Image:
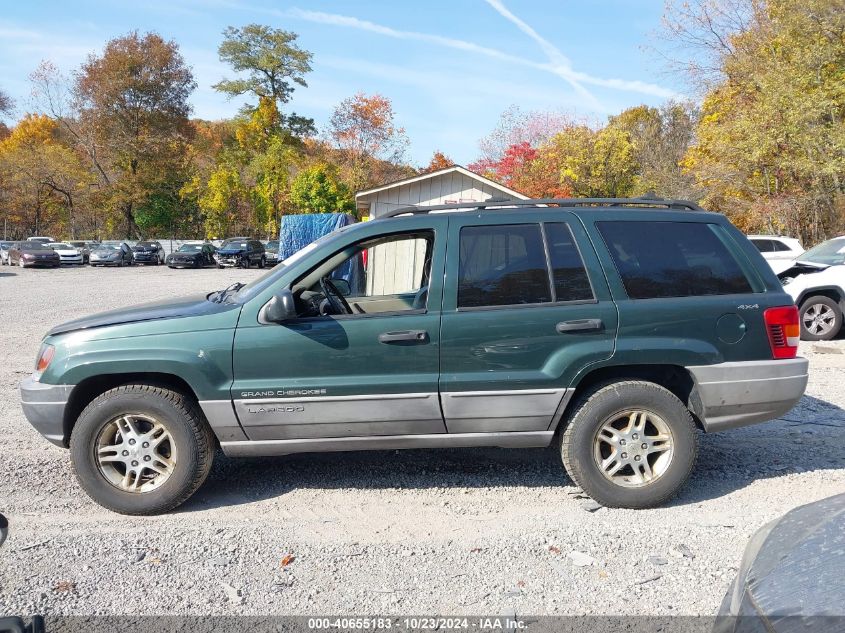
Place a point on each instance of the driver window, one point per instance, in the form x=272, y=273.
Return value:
x=388, y=274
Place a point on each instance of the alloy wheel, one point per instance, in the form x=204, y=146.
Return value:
x=135, y=453
x=819, y=319
x=633, y=448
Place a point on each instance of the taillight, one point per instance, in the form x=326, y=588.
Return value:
x=782, y=328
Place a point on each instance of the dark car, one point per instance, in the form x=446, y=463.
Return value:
x=241, y=253
x=790, y=578
x=26, y=254
x=114, y=254
x=149, y=253
x=192, y=255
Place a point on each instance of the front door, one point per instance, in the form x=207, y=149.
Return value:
x=526, y=309
x=372, y=372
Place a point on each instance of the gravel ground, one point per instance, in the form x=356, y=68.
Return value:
x=423, y=532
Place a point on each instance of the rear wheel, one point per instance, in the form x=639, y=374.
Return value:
x=629, y=444
x=821, y=319
x=138, y=449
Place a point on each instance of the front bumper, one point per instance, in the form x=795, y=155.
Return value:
x=741, y=393
x=146, y=258
x=71, y=259
x=234, y=262
x=44, y=408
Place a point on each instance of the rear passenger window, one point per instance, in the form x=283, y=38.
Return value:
x=672, y=259
x=779, y=247
x=570, y=277
x=764, y=246
x=502, y=265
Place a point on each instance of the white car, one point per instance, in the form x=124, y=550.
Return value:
x=816, y=280
x=779, y=251
x=67, y=254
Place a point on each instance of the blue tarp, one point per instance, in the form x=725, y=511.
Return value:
x=298, y=231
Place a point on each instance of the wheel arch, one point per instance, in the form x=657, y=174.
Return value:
x=89, y=388
x=835, y=293
x=675, y=378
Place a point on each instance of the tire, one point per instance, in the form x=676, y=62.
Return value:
x=190, y=435
x=615, y=401
x=262, y=263
x=828, y=321
x=21, y=264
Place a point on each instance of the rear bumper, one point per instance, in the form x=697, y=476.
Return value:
x=741, y=393
x=44, y=408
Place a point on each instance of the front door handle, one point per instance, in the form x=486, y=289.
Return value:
x=579, y=325
x=404, y=336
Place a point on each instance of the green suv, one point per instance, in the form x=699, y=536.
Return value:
x=615, y=328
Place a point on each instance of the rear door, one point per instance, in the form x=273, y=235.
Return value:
x=525, y=308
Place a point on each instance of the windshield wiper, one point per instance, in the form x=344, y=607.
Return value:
x=220, y=295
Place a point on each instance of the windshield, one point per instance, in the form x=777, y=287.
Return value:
x=77, y=244
x=189, y=248
x=61, y=246
x=144, y=245
x=106, y=247
x=831, y=252
x=34, y=246
x=234, y=244
x=273, y=245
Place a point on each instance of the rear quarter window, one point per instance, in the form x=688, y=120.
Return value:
x=672, y=259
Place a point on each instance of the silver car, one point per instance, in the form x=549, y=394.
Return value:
x=4, y=253
x=112, y=255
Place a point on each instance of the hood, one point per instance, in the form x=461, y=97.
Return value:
x=194, y=305
x=185, y=255
x=801, y=268
x=231, y=251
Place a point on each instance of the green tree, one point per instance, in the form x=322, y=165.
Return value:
x=317, y=189
x=273, y=63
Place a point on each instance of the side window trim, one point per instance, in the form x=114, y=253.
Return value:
x=580, y=258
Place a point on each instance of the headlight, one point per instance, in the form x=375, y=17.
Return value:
x=45, y=357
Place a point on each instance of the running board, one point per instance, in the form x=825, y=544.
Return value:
x=264, y=448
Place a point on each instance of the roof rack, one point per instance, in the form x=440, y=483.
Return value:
x=500, y=204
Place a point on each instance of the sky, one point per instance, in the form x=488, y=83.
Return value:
x=450, y=67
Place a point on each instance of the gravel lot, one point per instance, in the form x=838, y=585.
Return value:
x=423, y=532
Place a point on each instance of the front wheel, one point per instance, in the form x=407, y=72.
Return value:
x=821, y=319
x=139, y=449
x=262, y=263
x=629, y=444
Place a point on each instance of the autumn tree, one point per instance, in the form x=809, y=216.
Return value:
x=43, y=178
x=438, y=161
x=364, y=129
x=317, y=189
x=770, y=144
x=273, y=65
x=516, y=127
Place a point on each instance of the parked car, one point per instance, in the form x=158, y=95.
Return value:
x=790, y=578
x=777, y=249
x=147, y=252
x=192, y=255
x=110, y=254
x=33, y=253
x=615, y=332
x=241, y=253
x=42, y=239
x=83, y=247
x=67, y=254
x=816, y=281
x=4, y=253
x=271, y=251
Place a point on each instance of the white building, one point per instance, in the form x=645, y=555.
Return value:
x=446, y=186
x=396, y=268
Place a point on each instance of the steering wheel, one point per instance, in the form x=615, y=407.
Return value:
x=336, y=300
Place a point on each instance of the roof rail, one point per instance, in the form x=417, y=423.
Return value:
x=499, y=204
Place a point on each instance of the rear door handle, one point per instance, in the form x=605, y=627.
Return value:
x=579, y=325
x=404, y=336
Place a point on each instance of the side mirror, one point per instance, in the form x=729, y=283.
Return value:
x=280, y=308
